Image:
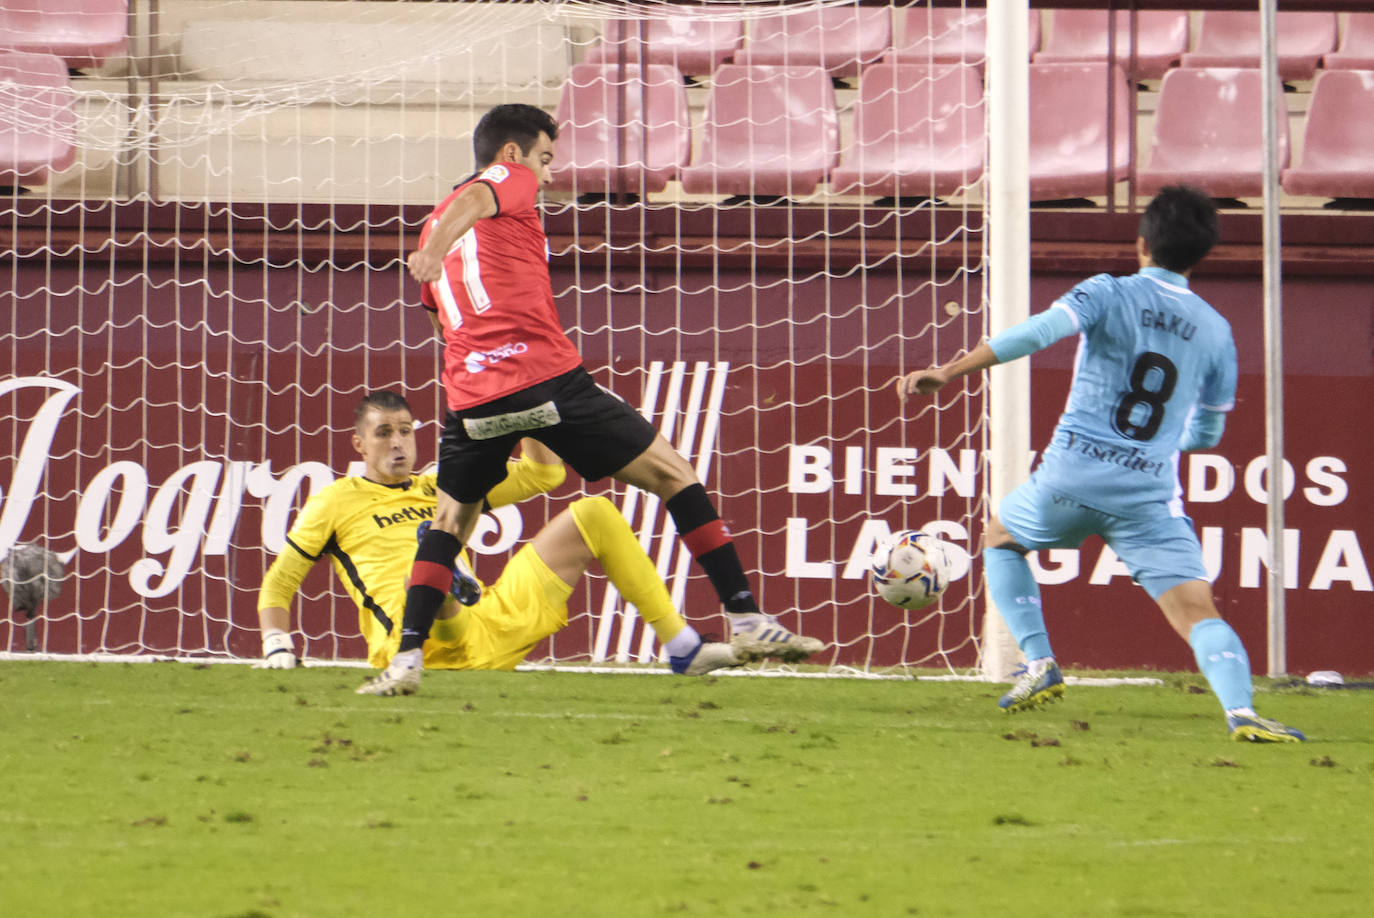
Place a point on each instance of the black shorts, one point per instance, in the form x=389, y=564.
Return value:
x=590, y=428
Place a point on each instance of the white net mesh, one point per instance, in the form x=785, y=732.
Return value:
x=757, y=222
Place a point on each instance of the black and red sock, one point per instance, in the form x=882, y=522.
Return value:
x=706, y=537
x=430, y=578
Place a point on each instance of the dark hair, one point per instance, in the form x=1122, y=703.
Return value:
x=504, y=123
x=1179, y=227
x=382, y=400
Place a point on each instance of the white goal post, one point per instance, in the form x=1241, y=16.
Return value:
x=1008, y=272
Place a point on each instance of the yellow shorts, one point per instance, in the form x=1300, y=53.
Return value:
x=526, y=604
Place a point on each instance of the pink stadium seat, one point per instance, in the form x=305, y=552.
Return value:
x=947, y=35
x=768, y=131
x=693, y=45
x=1068, y=129
x=918, y=132
x=1357, y=47
x=1208, y=132
x=1081, y=35
x=588, y=156
x=82, y=32
x=842, y=39
x=37, y=123
x=1338, y=142
x=1232, y=39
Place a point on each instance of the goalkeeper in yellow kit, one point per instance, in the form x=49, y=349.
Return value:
x=367, y=526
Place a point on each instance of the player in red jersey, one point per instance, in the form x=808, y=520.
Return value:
x=511, y=372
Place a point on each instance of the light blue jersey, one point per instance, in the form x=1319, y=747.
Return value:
x=1150, y=353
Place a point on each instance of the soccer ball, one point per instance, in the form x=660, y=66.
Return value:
x=912, y=570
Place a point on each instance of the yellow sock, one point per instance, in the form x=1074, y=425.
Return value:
x=613, y=543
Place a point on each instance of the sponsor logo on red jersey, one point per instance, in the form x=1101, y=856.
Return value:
x=477, y=361
x=497, y=173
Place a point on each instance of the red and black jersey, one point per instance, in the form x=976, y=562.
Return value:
x=502, y=332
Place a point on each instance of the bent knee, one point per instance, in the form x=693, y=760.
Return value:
x=597, y=518
x=996, y=536
x=660, y=470
x=594, y=508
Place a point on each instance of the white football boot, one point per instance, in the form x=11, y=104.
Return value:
x=394, y=680
x=757, y=636
x=704, y=658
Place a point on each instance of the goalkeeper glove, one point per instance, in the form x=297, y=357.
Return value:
x=277, y=650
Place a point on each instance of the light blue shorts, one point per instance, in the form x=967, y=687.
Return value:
x=1160, y=551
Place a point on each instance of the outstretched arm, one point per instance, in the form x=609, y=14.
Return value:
x=1037, y=332
x=279, y=586
x=473, y=203
x=926, y=382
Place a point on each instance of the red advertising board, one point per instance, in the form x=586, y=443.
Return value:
x=159, y=428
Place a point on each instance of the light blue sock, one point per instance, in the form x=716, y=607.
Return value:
x=1221, y=658
x=1013, y=588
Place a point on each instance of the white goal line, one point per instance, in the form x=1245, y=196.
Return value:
x=764, y=671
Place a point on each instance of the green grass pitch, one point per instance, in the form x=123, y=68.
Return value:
x=227, y=792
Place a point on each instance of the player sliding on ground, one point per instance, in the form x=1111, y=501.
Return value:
x=368, y=526
x=511, y=372
x=1155, y=374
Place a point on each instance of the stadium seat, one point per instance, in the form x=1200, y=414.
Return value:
x=1232, y=39
x=693, y=45
x=944, y=35
x=841, y=39
x=82, y=32
x=1068, y=129
x=399, y=43
x=588, y=157
x=1338, y=141
x=1081, y=35
x=918, y=132
x=1357, y=46
x=1208, y=133
x=768, y=131
x=37, y=121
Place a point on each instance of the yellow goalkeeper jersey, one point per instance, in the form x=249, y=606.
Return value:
x=368, y=532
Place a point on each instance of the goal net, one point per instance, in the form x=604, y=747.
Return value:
x=759, y=219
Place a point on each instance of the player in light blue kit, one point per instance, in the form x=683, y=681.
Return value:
x=1155, y=374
